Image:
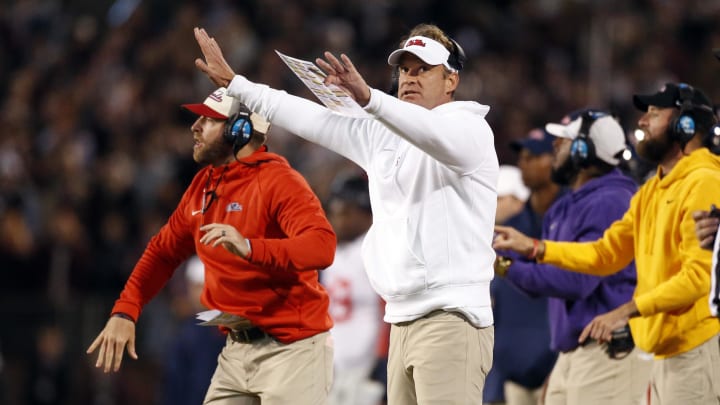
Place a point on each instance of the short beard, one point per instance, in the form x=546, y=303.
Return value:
x=565, y=173
x=655, y=150
x=216, y=153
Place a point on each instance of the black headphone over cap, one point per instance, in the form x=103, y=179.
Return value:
x=457, y=57
x=238, y=130
x=582, y=149
x=682, y=128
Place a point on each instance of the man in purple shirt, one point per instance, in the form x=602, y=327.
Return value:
x=587, y=151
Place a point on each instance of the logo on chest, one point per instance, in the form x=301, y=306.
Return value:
x=234, y=207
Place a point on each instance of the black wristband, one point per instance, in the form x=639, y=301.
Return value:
x=123, y=316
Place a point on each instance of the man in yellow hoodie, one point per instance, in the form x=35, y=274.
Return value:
x=668, y=314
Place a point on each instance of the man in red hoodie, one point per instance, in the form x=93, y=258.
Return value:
x=262, y=235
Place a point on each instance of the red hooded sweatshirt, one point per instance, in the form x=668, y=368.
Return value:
x=271, y=204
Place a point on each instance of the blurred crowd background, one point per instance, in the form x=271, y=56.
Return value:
x=95, y=150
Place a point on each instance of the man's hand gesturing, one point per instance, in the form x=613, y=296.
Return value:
x=345, y=75
x=214, y=66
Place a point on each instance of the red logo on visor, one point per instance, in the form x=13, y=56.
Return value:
x=415, y=42
x=217, y=95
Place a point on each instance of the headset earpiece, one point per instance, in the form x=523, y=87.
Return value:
x=394, y=82
x=238, y=130
x=582, y=149
x=457, y=57
x=682, y=128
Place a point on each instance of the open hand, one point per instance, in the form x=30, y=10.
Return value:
x=214, y=66
x=344, y=75
x=117, y=334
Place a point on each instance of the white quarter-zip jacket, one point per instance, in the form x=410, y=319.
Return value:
x=432, y=178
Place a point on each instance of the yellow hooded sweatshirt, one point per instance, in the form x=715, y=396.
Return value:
x=673, y=272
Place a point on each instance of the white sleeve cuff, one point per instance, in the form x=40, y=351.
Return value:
x=236, y=84
x=375, y=101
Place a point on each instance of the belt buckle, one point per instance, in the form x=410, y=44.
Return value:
x=241, y=336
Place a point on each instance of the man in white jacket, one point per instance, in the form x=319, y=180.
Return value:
x=432, y=171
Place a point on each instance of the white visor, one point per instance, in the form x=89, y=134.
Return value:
x=428, y=50
x=606, y=135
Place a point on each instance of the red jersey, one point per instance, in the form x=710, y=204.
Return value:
x=272, y=205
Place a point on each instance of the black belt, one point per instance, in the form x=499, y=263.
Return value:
x=247, y=335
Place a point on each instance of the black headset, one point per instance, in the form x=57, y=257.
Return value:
x=582, y=149
x=457, y=57
x=682, y=128
x=238, y=130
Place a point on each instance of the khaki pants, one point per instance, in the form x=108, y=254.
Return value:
x=268, y=372
x=689, y=378
x=588, y=376
x=438, y=359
